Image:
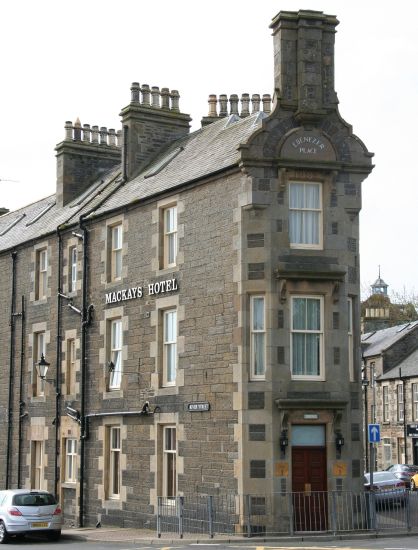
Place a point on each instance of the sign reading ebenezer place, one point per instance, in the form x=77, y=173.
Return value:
x=135, y=292
x=308, y=145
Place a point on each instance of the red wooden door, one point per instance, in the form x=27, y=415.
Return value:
x=309, y=486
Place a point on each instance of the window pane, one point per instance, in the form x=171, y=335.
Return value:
x=299, y=313
x=313, y=314
x=296, y=195
x=258, y=313
x=311, y=195
x=170, y=326
x=258, y=346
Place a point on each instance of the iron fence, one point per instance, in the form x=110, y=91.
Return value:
x=288, y=513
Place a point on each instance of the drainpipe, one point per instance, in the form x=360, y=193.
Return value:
x=11, y=365
x=84, y=323
x=21, y=403
x=58, y=368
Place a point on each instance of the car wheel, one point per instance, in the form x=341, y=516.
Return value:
x=4, y=537
x=54, y=535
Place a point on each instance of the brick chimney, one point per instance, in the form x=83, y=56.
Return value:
x=304, y=62
x=150, y=121
x=85, y=153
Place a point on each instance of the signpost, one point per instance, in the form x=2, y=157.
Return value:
x=374, y=437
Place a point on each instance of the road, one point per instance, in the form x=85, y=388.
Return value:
x=396, y=543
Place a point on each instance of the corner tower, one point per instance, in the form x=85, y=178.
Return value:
x=301, y=197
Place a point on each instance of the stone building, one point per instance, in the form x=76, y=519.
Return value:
x=196, y=296
x=390, y=371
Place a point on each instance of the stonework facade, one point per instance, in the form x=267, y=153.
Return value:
x=197, y=300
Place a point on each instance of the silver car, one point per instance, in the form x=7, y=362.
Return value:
x=387, y=488
x=26, y=512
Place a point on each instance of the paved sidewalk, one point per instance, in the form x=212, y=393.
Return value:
x=115, y=534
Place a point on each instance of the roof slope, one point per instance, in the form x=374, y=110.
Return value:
x=202, y=153
x=374, y=343
x=409, y=367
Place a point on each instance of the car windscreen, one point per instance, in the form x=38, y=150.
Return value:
x=33, y=499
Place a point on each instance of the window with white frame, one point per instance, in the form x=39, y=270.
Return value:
x=170, y=236
x=72, y=275
x=114, y=474
x=71, y=460
x=415, y=401
x=39, y=346
x=386, y=416
x=305, y=215
x=169, y=462
x=307, y=337
x=41, y=275
x=37, y=464
x=350, y=338
x=399, y=391
x=70, y=367
x=387, y=453
x=169, y=347
x=258, y=338
x=116, y=252
x=115, y=355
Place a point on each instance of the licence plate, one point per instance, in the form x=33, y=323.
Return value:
x=39, y=524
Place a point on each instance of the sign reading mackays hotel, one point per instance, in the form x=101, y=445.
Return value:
x=161, y=287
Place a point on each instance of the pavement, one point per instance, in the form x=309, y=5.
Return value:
x=115, y=534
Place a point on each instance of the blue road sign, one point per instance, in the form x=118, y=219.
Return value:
x=374, y=433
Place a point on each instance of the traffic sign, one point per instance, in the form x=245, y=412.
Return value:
x=374, y=433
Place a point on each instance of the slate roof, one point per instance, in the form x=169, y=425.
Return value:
x=409, y=368
x=374, y=343
x=199, y=154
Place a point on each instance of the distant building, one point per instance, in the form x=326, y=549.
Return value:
x=378, y=312
x=390, y=376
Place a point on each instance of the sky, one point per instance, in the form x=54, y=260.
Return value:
x=62, y=60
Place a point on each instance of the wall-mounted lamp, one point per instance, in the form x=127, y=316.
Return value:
x=42, y=367
x=283, y=441
x=339, y=443
x=74, y=414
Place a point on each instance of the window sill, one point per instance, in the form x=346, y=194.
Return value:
x=69, y=485
x=113, y=394
x=38, y=399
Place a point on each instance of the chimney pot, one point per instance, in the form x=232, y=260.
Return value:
x=155, y=93
x=165, y=98
x=267, y=103
x=112, y=137
x=175, y=101
x=86, y=133
x=245, y=105
x=77, y=130
x=95, y=134
x=255, y=100
x=68, y=130
x=233, y=100
x=146, y=93
x=212, y=105
x=103, y=135
x=135, y=92
x=223, y=105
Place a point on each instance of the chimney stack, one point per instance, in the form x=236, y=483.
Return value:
x=304, y=62
x=84, y=153
x=151, y=121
